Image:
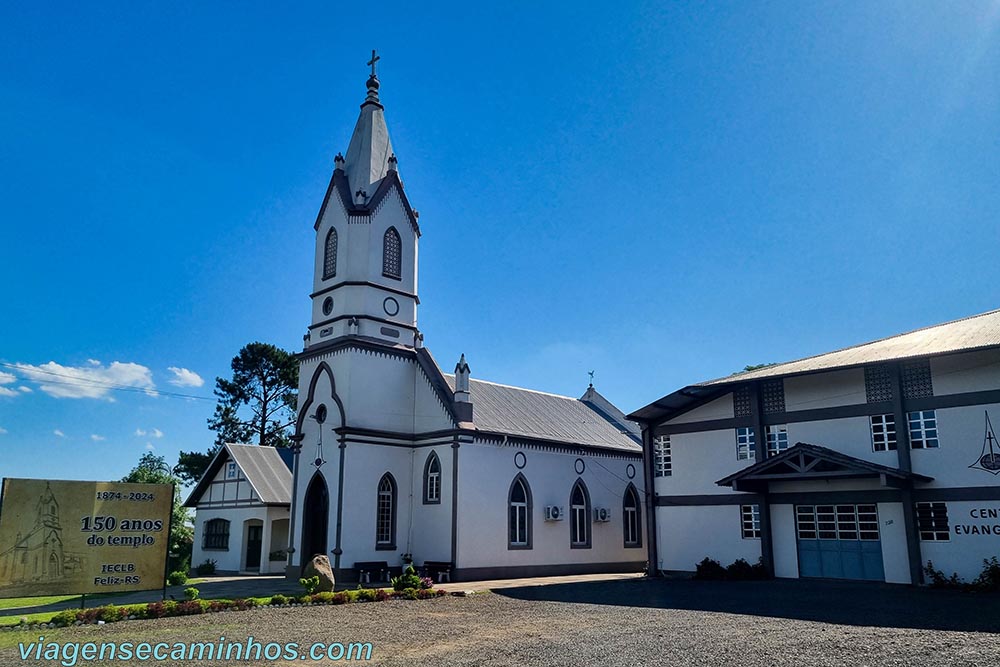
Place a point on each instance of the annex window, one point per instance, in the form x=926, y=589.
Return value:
x=216, y=535
x=932, y=522
x=519, y=514
x=883, y=433
x=579, y=516
x=631, y=518
x=923, y=429
x=745, y=444
x=232, y=471
x=392, y=254
x=330, y=254
x=385, y=518
x=432, y=480
x=662, y=461
x=777, y=439
x=750, y=521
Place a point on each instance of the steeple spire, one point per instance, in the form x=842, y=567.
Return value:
x=367, y=159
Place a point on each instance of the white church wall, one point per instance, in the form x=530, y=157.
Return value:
x=689, y=534
x=961, y=432
x=970, y=371
x=825, y=390
x=892, y=531
x=365, y=464
x=698, y=461
x=430, y=536
x=975, y=536
x=390, y=213
x=485, y=476
x=850, y=435
x=719, y=408
x=784, y=542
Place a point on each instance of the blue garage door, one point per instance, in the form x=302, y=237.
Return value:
x=839, y=541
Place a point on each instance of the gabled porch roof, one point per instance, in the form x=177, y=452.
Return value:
x=805, y=462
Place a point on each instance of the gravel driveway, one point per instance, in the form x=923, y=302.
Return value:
x=619, y=623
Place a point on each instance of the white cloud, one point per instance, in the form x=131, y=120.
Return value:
x=4, y=391
x=139, y=433
x=24, y=390
x=156, y=433
x=149, y=447
x=91, y=381
x=7, y=378
x=58, y=433
x=152, y=433
x=185, y=378
x=97, y=438
x=3, y=431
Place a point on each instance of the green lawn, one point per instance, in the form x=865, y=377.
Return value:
x=13, y=603
x=42, y=617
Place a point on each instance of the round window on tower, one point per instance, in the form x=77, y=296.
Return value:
x=321, y=413
x=328, y=305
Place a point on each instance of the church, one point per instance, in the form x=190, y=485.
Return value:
x=398, y=462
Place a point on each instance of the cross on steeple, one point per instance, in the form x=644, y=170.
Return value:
x=375, y=59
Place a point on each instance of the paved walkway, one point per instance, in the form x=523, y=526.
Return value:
x=232, y=587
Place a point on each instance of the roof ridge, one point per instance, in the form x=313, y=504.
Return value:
x=510, y=386
x=854, y=347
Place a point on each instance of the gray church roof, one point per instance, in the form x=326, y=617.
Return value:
x=517, y=412
x=264, y=467
x=970, y=333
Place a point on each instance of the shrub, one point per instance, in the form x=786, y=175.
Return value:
x=310, y=585
x=64, y=618
x=110, y=614
x=279, y=599
x=189, y=608
x=407, y=580
x=937, y=579
x=989, y=578
x=177, y=578
x=366, y=595
x=739, y=570
x=710, y=570
x=426, y=582
x=339, y=598
x=88, y=615
x=381, y=595
x=322, y=598
x=206, y=568
x=191, y=593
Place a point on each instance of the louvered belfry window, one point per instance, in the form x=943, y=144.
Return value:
x=392, y=254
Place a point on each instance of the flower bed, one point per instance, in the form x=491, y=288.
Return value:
x=169, y=608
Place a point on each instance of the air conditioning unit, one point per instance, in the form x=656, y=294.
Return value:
x=554, y=513
x=602, y=514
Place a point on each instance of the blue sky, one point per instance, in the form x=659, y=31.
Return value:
x=661, y=192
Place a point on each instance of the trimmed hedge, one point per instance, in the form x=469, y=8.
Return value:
x=170, y=608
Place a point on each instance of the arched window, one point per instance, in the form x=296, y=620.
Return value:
x=392, y=254
x=632, y=518
x=432, y=480
x=330, y=254
x=519, y=514
x=385, y=517
x=216, y=535
x=579, y=516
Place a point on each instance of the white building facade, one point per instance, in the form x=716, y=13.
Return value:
x=865, y=463
x=398, y=461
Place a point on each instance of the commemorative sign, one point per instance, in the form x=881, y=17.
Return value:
x=70, y=538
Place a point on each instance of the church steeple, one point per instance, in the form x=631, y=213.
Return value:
x=369, y=152
x=365, y=275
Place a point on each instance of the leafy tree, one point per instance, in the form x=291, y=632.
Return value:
x=153, y=469
x=258, y=404
x=755, y=367
x=192, y=465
